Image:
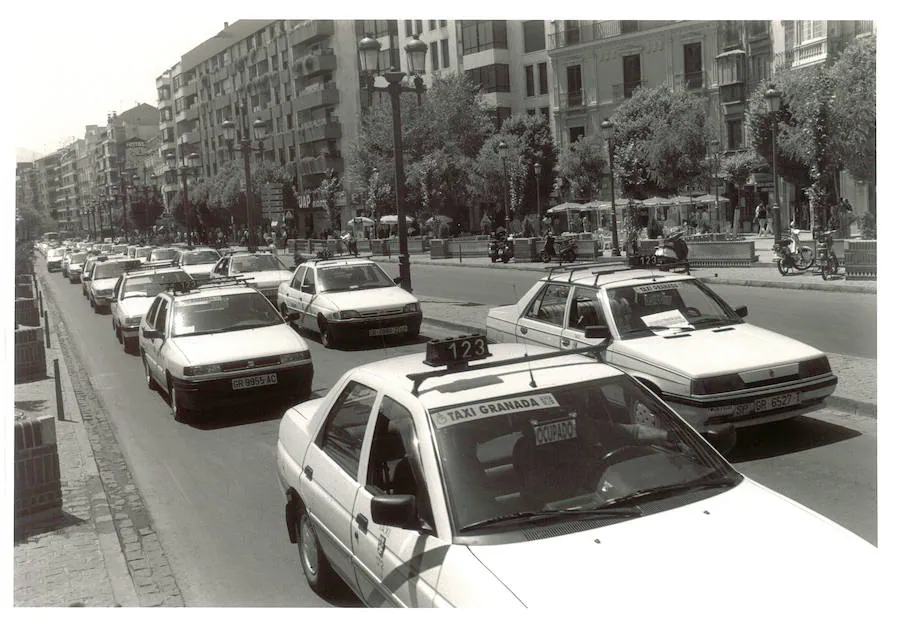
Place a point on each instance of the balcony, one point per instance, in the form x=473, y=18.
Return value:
x=314, y=64
x=318, y=97
x=803, y=55
x=310, y=31
x=186, y=89
x=318, y=131
x=188, y=113
x=691, y=81
x=733, y=92
x=190, y=137
x=623, y=91
x=318, y=165
x=597, y=31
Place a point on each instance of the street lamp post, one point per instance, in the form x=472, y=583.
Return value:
x=245, y=145
x=537, y=178
x=773, y=102
x=608, y=129
x=368, y=58
x=714, y=145
x=189, y=165
x=503, y=149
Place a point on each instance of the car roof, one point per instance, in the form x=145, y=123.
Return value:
x=340, y=261
x=464, y=386
x=605, y=277
x=224, y=290
x=151, y=271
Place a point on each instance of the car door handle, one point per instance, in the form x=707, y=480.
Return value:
x=308, y=471
x=362, y=522
x=523, y=330
x=565, y=342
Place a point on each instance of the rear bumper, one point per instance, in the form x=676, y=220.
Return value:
x=218, y=393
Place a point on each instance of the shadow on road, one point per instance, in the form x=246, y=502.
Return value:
x=787, y=436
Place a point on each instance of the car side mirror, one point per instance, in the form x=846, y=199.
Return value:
x=742, y=311
x=151, y=334
x=292, y=315
x=722, y=437
x=597, y=331
x=394, y=510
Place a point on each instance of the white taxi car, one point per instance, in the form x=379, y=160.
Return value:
x=55, y=258
x=133, y=295
x=535, y=478
x=262, y=270
x=104, y=277
x=75, y=264
x=349, y=297
x=677, y=336
x=221, y=344
x=196, y=261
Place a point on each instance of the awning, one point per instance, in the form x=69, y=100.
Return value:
x=731, y=53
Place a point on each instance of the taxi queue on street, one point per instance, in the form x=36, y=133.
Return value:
x=560, y=454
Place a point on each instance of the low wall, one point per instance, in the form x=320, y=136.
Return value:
x=27, y=313
x=860, y=259
x=711, y=254
x=30, y=357
x=37, y=485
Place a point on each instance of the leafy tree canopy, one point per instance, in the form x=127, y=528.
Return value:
x=582, y=168
x=853, y=76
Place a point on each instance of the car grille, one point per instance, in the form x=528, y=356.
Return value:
x=381, y=312
x=243, y=364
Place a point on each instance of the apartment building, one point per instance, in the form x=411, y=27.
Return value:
x=26, y=186
x=47, y=177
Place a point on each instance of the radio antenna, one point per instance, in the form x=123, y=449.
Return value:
x=525, y=344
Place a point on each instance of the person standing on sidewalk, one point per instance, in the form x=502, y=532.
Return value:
x=761, y=216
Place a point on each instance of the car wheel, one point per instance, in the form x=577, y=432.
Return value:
x=327, y=334
x=413, y=333
x=178, y=412
x=316, y=568
x=129, y=345
x=783, y=268
x=151, y=384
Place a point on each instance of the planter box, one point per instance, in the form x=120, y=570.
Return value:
x=468, y=247
x=440, y=249
x=860, y=259
x=711, y=254
x=383, y=247
x=38, y=491
x=27, y=313
x=30, y=359
x=525, y=249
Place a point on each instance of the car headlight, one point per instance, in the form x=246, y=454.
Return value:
x=192, y=371
x=298, y=356
x=411, y=308
x=133, y=321
x=346, y=314
x=717, y=385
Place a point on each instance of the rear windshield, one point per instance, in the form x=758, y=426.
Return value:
x=151, y=284
x=77, y=257
x=255, y=263
x=199, y=256
x=162, y=254
x=114, y=268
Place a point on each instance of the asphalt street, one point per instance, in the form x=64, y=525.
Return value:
x=215, y=501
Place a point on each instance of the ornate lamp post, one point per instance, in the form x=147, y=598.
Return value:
x=537, y=178
x=503, y=149
x=189, y=166
x=245, y=145
x=773, y=102
x=714, y=147
x=608, y=130
x=368, y=59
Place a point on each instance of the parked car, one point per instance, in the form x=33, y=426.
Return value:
x=679, y=337
x=162, y=254
x=75, y=265
x=103, y=280
x=55, y=259
x=197, y=262
x=132, y=297
x=213, y=346
x=345, y=298
x=263, y=270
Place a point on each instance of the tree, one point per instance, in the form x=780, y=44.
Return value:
x=737, y=168
x=537, y=147
x=328, y=190
x=660, y=141
x=582, y=168
x=853, y=76
x=487, y=177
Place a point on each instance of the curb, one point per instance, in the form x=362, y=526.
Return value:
x=840, y=403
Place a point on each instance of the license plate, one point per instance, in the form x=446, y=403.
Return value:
x=254, y=382
x=388, y=331
x=768, y=403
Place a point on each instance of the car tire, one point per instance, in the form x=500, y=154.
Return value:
x=327, y=334
x=316, y=568
x=129, y=345
x=148, y=378
x=178, y=412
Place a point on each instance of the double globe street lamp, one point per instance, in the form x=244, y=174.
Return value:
x=190, y=164
x=416, y=50
x=241, y=135
x=773, y=102
x=608, y=131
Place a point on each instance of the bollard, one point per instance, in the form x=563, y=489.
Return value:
x=41, y=302
x=61, y=415
x=46, y=330
x=459, y=246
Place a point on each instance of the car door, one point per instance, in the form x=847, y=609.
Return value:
x=156, y=345
x=145, y=343
x=331, y=467
x=394, y=566
x=292, y=290
x=542, y=321
x=306, y=297
x=584, y=311
x=114, y=305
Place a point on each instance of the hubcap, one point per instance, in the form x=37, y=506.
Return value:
x=309, y=547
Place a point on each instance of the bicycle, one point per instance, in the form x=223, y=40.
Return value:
x=826, y=260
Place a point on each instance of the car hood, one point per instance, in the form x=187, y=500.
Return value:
x=244, y=344
x=716, y=546
x=75, y=266
x=135, y=305
x=199, y=269
x=104, y=284
x=710, y=351
x=267, y=278
x=374, y=298
x=508, y=313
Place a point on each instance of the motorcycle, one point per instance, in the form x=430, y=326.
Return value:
x=825, y=257
x=566, y=251
x=500, y=248
x=671, y=252
x=790, y=255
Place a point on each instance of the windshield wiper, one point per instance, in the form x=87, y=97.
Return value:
x=531, y=516
x=670, y=490
x=669, y=328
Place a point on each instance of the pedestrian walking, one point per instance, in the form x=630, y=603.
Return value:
x=586, y=224
x=761, y=217
x=485, y=224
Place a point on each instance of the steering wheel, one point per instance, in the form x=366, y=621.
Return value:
x=616, y=456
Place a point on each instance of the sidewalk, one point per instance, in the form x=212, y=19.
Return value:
x=101, y=551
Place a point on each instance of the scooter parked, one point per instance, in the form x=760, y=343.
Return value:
x=671, y=253
x=500, y=248
x=790, y=255
x=825, y=257
x=566, y=251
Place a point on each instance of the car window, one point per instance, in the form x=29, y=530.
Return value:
x=255, y=263
x=309, y=281
x=161, y=317
x=116, y=288
x=151, y=284
x=585, y=310
x=353, y=277
x=549, y=305
x=216, y=313
x=298, y=278
x=342, y=433
x=199, y=256
x=150, y=316
x=395, y=465
x=161, y=254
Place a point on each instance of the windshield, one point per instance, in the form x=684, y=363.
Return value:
x=58, y=252
x=199, y=256
x=120, y=249
x=77, y=257
x=113, y=268
x=353, y=277
x=151, y=284
x=219, y=313
x=569, y=450
x=163, y=254
x=666, y=307
x=255, y=263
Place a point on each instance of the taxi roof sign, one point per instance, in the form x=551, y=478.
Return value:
x=456, y=351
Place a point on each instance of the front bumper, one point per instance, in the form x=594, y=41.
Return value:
x=703, y=413
x=54, y=265
x=361, y=327
x=102, y=300
x=211, y=394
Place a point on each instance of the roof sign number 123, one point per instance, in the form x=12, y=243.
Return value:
x=468, y=348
